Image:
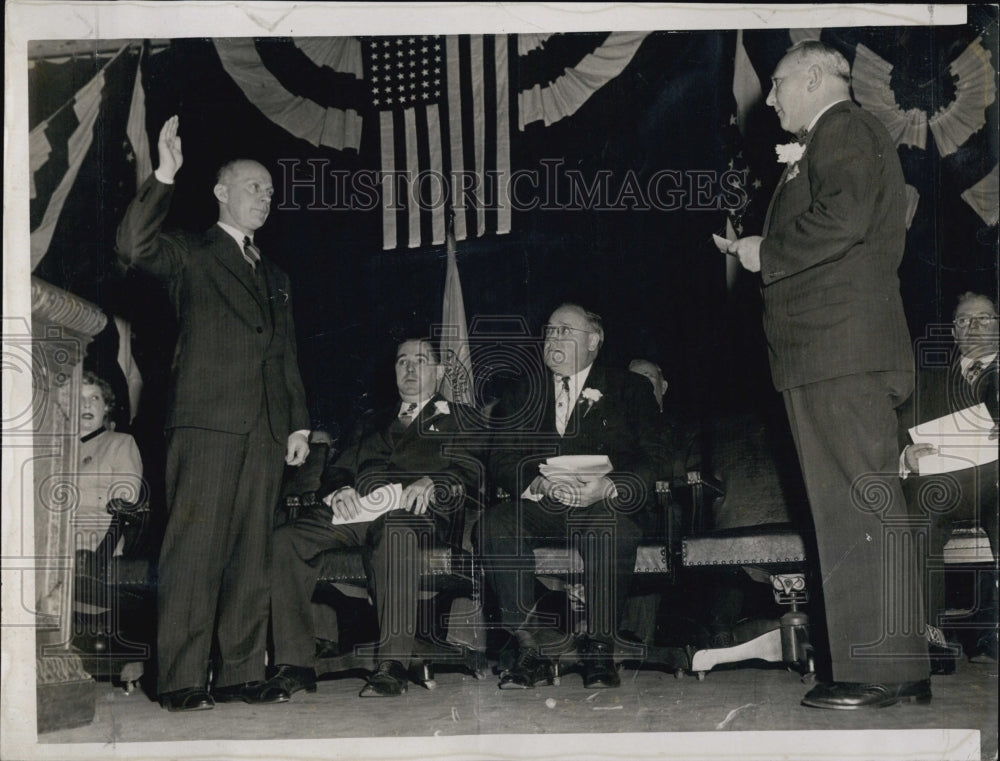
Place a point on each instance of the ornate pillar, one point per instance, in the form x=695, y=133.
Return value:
x=62, y=326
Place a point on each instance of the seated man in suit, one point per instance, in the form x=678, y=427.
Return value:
x=968, y=379
x=413, y=443
x=571, y=407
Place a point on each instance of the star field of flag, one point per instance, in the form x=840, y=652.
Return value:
x=406, y=71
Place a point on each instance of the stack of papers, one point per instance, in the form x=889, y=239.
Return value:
x=962, y=440
x=584, y=465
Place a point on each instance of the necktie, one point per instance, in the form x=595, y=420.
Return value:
x=251, y=253
x=973, y=371
x=562, y=404
x=406, y=415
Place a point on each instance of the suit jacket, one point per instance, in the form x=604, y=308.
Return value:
x=621, y=424
x=236, y=343
x=379, y=452
x=833, y=240
x=940, y=391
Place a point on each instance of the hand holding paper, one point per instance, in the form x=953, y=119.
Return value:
x=963, y=439
x=348, y=507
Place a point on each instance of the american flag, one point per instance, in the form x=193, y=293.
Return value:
x=444, y=135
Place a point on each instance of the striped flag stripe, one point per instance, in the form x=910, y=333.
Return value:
x=455, y=132
x=136, y=129
x=476, y=63
x=503, y=133
x=435, y=151
x=412, y=172
x=387, y=144
x=87, y=106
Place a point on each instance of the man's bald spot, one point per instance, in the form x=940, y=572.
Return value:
x=228, y=171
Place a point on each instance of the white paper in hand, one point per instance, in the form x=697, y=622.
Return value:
x=383, y=500
x=962, y=440
x=722, y=244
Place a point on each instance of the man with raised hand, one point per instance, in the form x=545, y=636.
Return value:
x=236, y=414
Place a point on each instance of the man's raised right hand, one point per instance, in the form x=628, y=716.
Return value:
x=169, y=148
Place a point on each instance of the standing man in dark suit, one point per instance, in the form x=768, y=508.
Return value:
x=236, y=410
x=416, y=444
x=573, y=407
x=970, y=494
x=840, y=354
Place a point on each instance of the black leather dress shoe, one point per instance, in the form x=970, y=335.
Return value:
x=293, y=679
x=529, y=669
x=388, y=680
x=599, y=666
x=251, y=692
x=846, y=696
x=188, y=699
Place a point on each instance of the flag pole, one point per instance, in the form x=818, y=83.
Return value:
x=457, y=384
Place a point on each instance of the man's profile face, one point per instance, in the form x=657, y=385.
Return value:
x=788, y=91
x=417, y=371
x=570, y=342
x=975, y=328
x=244, y=195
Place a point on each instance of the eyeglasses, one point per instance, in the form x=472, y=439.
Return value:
x=978, y=320
x=561, y=331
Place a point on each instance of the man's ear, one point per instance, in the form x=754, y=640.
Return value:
x=814, y=77
x=221, y=193
x=593, y=342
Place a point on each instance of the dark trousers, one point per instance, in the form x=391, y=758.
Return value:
x=393, y=547
x=214, y=562
x=605, y=538
x=968, y=495
x=871, y=550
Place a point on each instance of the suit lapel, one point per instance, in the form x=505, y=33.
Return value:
x=227, y=251
x=803, y=161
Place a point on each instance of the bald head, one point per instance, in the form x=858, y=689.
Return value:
x=654, y=374
x=810, y=77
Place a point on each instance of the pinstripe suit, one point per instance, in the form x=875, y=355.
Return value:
x=840, y=354
x=235, y=396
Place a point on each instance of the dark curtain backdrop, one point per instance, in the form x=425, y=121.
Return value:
x=652, y=274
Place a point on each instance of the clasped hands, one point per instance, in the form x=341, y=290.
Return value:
x=574, y=491
x=346, y=503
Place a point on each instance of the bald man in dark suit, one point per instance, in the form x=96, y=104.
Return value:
x=236, y=413
x=840, y=354
x=572, y=406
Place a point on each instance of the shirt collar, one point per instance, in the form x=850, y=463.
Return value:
x=816, y=118
x=576, y=381
x=235, y=234
x=966, y=362
x=420, y=405
x=92, y=434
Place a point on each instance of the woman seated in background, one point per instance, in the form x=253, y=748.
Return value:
x=110, y=465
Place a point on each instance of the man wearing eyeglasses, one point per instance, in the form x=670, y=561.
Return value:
x=971, y=493
x=571, y=407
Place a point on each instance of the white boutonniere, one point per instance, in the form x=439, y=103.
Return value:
x=592, y=397
x=441, y=408
x=791, y=154
x=283, y=294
